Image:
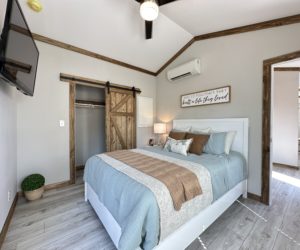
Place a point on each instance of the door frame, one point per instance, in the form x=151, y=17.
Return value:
x=266, y=121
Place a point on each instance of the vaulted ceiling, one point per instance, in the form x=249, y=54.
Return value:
x=115, y=29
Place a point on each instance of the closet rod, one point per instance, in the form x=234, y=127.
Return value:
x=81, y=105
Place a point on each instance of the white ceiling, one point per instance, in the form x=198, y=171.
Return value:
x=205, y=16
x=114, y=28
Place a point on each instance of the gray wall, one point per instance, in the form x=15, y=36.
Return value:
x=8, y=146
x=43, y=146
x=234, y=60
x=89, y=125
x=285, y=118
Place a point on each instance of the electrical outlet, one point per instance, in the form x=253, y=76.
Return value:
x=9, y=195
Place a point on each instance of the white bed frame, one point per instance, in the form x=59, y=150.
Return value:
x=188, y=232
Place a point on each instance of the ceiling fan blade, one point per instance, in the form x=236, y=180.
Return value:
x=162, y=2
x=148, y=29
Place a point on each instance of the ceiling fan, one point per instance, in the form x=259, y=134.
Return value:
x=149, y=10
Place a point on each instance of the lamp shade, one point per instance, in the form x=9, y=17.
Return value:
x=160, y=128
x=149, y=10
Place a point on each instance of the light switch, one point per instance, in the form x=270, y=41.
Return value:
x=61, y=123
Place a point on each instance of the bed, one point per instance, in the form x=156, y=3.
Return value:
x=125, y=230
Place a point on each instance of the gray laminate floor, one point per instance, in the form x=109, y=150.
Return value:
x=62, y=220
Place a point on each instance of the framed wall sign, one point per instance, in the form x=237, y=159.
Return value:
x=207, y=97
x=144, y=112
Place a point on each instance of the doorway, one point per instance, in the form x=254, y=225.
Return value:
x=267, y=157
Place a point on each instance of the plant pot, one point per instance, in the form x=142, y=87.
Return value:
x=34, y=194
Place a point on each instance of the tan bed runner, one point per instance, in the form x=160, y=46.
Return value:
x=182, y=183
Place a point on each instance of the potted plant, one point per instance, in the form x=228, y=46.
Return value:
x=33, y=186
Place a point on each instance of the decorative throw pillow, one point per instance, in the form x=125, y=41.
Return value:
x=199, y=141
x=216, y=144
x=178, y=146
x=229, y=141
x=177, y=135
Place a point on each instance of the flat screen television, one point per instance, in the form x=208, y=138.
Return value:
x=18, y=52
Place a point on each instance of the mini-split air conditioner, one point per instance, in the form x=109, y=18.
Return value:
x=185, y=70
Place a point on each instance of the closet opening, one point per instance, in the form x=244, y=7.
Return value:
x=90, y=136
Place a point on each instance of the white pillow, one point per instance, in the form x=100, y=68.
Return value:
x=182, y=129
x=229, y=141
x=202, y=131
x=178, y=146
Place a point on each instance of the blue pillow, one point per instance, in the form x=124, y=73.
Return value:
x=215, y=144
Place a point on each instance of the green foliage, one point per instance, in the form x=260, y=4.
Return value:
x=33, y=182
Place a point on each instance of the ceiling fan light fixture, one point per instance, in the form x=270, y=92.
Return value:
x=149, y=10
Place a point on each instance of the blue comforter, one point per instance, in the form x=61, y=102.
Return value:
x=134, y=206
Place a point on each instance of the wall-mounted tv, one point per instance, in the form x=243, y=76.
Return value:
x=18, y=52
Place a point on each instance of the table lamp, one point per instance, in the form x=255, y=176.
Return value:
x=160, y=129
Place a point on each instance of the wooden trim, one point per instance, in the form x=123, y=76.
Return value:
x=79, y=80
x=72, y=89
x=70, y=47
x=266, y=121
x=287, y=69
x=238, y=30
x=8, y=220
x=286, y=166
x=184, y=48
x=254, y=197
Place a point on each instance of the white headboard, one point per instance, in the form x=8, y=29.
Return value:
x=240, y=125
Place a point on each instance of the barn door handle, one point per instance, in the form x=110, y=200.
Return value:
x=134, y=91
x=108, y=87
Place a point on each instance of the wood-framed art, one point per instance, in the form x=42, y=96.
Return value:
x=206, y=97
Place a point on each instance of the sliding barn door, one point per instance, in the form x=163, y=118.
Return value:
x=120, y=119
